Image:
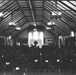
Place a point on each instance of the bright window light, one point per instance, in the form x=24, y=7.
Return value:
x=18, y=28
x=30, y=35
x=17, y=68
x=35, y=35
x=29, y=38
x=1, y=14
x=9, y=37
x=42, y=37
x=72, y=34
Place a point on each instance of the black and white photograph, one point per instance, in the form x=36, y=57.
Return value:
x=37, y=37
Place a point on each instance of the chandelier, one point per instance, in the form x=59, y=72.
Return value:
x=51, y=23
x=13, y=24
x=56, y=14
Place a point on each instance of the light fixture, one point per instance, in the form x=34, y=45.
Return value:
x=35, y=29
x=11, y=23
x=51, y=23
x=59, y=13
x=35, y=60
x=1, y=14
x=56, y=14
x=53, y=13
x=72, y=34
x=17, y=68
x=58, y=60
x=9, y=37
x=48, y=28
x=7, y=63
x=18, y=28
x=46, y=61
x=35, y=24
x=60, y=37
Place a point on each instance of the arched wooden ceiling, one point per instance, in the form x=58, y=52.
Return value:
x=26, y=12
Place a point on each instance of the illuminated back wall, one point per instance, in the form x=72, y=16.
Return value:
x=47, y=35
x=36, y=36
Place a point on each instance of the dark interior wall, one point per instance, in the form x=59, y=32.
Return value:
x=48, y=35
x=3, y=39
x=23, y=35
